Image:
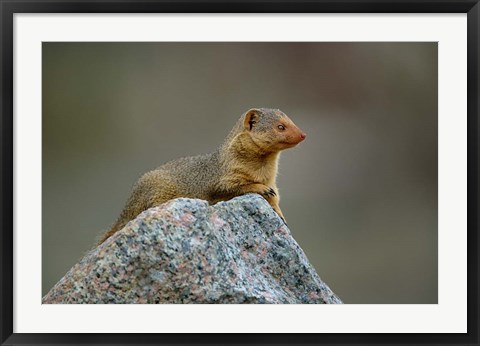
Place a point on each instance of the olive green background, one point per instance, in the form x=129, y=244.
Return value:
x=359, y=194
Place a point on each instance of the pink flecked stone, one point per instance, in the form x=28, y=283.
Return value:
x=186, y=251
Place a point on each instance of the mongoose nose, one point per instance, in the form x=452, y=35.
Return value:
x=303, y=136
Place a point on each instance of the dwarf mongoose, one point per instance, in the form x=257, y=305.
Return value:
x=247, y=161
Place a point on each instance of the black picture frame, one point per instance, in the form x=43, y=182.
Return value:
x=10, y=7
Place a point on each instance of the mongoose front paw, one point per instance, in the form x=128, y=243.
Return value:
x=270, y=192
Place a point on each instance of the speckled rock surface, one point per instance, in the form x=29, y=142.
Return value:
x=186, y=251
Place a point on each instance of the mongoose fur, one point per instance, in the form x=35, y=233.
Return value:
x=247, y=161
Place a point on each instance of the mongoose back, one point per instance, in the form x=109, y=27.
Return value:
x=247, y=161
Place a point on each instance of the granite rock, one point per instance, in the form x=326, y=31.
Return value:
x=186, y=251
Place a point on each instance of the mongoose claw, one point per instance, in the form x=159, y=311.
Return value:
x=270, y=192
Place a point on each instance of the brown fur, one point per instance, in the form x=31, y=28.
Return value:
x=246, y=162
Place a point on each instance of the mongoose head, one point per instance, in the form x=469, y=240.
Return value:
x=271, y=129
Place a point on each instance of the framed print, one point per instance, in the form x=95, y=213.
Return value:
x=235, y=173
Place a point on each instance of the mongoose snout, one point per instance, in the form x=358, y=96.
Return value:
x=246, y=162
x=298, y=137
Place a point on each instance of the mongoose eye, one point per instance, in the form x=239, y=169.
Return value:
x=281, y=127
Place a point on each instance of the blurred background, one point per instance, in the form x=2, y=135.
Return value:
x=359, y=194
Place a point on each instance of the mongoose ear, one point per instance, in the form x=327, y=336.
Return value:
x=250, y=118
